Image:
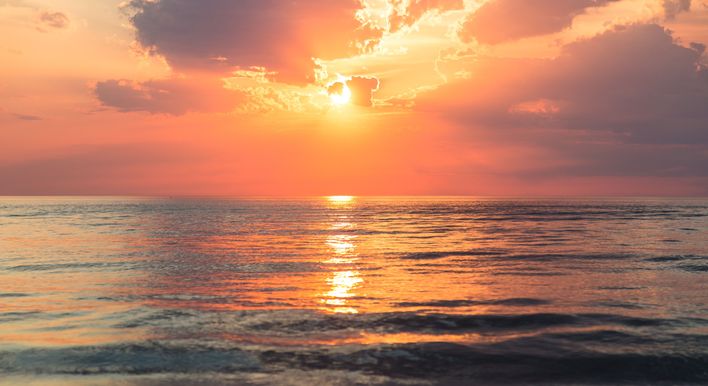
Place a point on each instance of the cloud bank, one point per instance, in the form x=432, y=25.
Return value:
x=631, y=100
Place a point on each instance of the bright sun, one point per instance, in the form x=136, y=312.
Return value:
x=341, y=98
x=340, y=199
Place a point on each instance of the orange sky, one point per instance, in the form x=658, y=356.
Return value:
x=362, y=97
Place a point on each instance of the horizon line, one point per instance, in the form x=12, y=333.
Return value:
x=276, y=196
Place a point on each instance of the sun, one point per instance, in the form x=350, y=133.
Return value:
x=340, y=199
x=342, y=97
x=339, y=92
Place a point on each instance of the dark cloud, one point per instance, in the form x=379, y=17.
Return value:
x=54, y=19
x=674, y=7
x=282, y=36
x=336, y=88
x=415, y=9
x=629, y=101
x=622, y=160
x=636, y=81
x=171, y=96
x=499, y=21
x=27, y=117
x=698, y=47
x=362, y=89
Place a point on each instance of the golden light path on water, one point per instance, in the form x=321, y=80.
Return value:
x=345, y=279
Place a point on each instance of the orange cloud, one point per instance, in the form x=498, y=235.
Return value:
x=499, y=21
x=407, y=12
x=362, y=89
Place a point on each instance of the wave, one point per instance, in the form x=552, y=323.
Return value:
x=434, y=255
x=13, y=295
x=70, y=266
x=688, y=263
x=294, y=322
x=546, y=358
x=502, y=255
x=467, y=303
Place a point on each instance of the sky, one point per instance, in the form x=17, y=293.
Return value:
x=354, y=97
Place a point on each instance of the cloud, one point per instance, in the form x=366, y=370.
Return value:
x=634, y=80
x=407, y=12
x=362, y=89
x=628, y=101
x=674, y=7
x=170, y=96
x=499, y=21
x=336, y=88
x=622, y=160
x=27, y=117
x=28, y=14
x=56, y=20
x=285, y=37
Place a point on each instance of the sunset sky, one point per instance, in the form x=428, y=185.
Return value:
x=361, y=97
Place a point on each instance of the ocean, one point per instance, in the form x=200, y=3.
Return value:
x=353, y=290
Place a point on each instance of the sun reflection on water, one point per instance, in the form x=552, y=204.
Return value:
x=342, y=285
x=342, y=245
x=345, y=278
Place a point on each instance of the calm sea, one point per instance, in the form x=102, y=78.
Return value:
x=345, y=290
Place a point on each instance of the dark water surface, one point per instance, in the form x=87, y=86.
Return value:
x=353, y=291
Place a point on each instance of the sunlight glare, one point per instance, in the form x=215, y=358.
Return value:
x=340, y=99
x=340, y=199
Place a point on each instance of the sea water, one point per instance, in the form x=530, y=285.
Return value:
x=353, y=290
